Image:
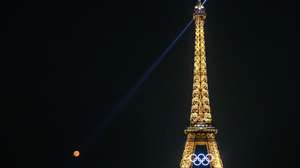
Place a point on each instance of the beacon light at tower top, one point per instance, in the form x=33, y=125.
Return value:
x=202, y=3
x=199, y=8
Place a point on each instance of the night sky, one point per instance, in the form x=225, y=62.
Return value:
x=66, y=64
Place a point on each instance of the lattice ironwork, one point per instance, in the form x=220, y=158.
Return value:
x=201, y=130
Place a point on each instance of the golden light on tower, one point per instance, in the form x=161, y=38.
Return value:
x=201, y=149
x=76, y=153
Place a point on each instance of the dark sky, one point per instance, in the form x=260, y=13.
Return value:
x=66, y=64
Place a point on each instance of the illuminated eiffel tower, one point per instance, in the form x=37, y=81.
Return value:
x=201, y=149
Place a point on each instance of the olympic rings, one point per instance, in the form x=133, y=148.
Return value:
x=201, y=159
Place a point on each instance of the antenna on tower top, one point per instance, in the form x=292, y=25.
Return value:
x=200, y=6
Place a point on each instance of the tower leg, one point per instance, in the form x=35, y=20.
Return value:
x=201, y=151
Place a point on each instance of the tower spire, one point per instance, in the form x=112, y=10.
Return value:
x=201, y=149
x=200, y=111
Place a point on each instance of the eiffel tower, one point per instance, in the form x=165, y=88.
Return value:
x=201, y=149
